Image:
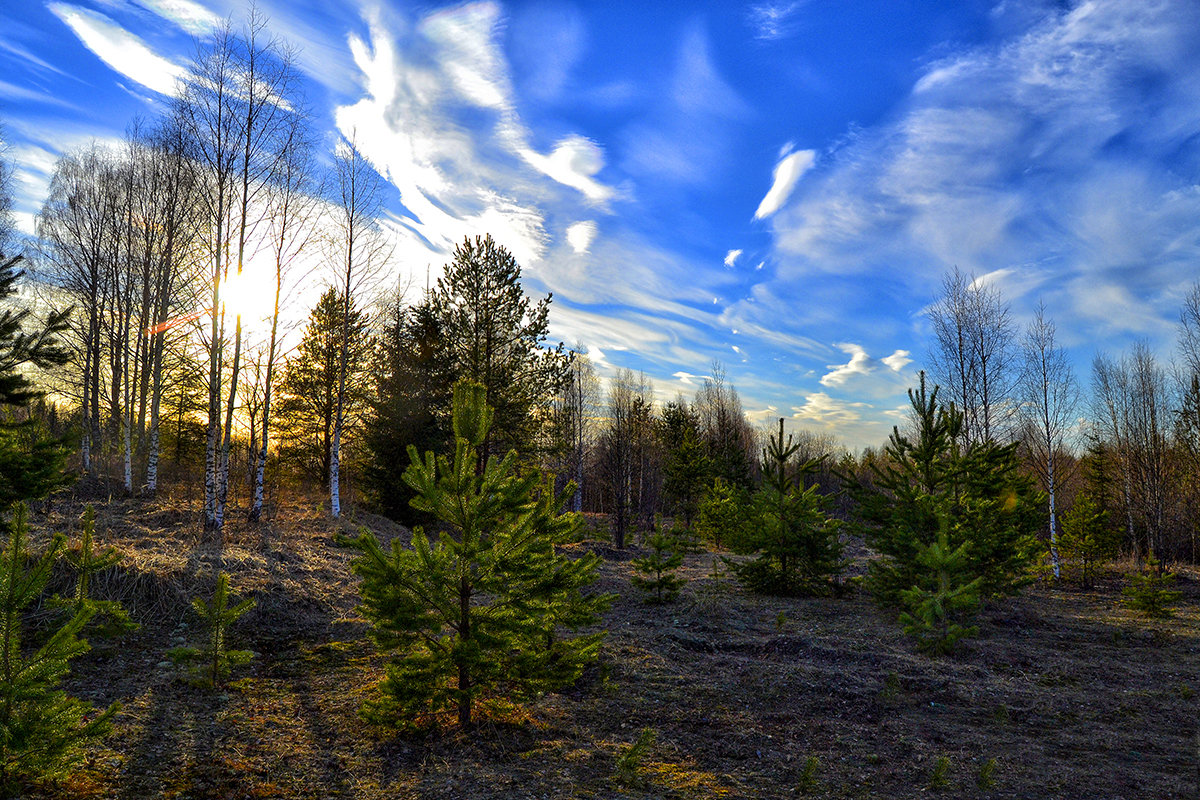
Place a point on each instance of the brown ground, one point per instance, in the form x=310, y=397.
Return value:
x=1072, y=695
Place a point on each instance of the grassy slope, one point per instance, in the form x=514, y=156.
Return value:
x=1072, y=695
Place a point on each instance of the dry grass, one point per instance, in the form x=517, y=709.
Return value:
x=1074, y=696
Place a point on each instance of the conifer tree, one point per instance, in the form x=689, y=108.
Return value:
x=723, y=514
x=496, y=336
x=489, y=606
x=88, y=563
x=1149, y=590
x=795, y=540
x=307, y=411
x=31, y=463
x=687, y=465
x=656, y=571
x=411, y=378
x=1087, y=537
x=42, y=729
x=947, y=597
x=215, y=661
x=929, y=484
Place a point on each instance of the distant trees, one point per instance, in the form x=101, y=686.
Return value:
x=327, y=375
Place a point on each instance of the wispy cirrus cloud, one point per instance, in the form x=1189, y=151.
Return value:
x=188, y=15
x=122, y=51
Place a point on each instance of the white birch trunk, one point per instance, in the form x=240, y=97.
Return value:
x=335, y=502
x=1054, y=559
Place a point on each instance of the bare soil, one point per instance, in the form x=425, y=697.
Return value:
x=1070, y=694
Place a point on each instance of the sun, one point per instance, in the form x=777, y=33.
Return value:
x=250, y=293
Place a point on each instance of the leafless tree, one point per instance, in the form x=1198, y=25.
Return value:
x=1049, y=400
x=237, y=110
x=973, y=355
x=359, y=253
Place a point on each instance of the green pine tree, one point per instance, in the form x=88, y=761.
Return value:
x=31, y=462
x=488, y=608
x=42, y=729
x=214, y=662
x=795, y=540
x=656, y=571
x=1150, y=592
x=928, y=485
x=1087, y=538
x=723, y=515
x=947, y=597
x=87, y=563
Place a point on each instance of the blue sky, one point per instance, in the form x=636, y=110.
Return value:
x=780, y=186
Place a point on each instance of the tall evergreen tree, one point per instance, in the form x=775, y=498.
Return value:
x=488, y=608
x=411, y=379
x=686, y=468
x=307, y=410
x=496, y=334
x=31, y=463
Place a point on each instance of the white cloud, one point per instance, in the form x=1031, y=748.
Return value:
x=731, y=257
x=826, y=411
x=121, y=50
x=897, y=360
x=774, y=20
x=192, y=17
x=784, y=178
x=574, y=162
x=859, y=364
x=580, y=235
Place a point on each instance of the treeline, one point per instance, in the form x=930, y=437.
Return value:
x=174, y=361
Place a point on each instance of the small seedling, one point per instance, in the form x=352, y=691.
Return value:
x=87, y=563
x=1149, y=591
x=656, y=571
x=214, y=661
x=807, y=781
x=987, y=774
x=939, y=778
x=781, y=621
x=891, y=687
x=629, y=762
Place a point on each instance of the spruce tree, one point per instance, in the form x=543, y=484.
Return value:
x=929, y=484
x=31, y=462
x=1149, y=590
x=656, y=571
x=42, y=729
x=411, y=378
x=687, y=466
x=795, y=540
x=946, y=598
x=214, y=661
x=488, y=609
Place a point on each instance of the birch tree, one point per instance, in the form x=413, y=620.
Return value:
x=973, y=355
x=237, y=110
x=361, y=251
x=1049, y=400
